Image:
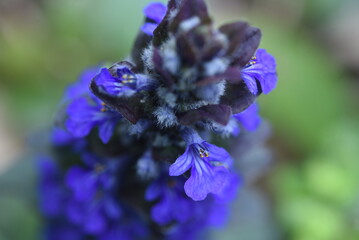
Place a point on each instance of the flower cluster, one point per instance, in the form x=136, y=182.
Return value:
x=132, y=155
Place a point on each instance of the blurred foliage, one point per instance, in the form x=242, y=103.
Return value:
x=18, y=205
x=319, y=199
x=43, y=52
x=310, y=95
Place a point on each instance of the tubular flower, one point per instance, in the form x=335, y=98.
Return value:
x=93, y=206
x=209, y=167
x=123, y=82
x=261, y=68
x=86, y=113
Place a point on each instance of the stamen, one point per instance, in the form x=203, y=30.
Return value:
x=252, y=61
x=104, y=108
x=202, y=151
x=128, y=78
x=171, y=183
x=99, y=168
x=98, y=195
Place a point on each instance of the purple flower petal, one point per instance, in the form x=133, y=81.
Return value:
x=148, y=28
x=182, y=164
x=74, y=212
x=153, y=192
x=161, y=212
x=81, y=87
x=52, y=199
x=52, y=192
x=63, y=231
x=218, y=215
x=116, y=234
x=95, y=221
x=205, y=179
x=84, y=114
x=106, y=130
x=269, y=80
x=61, y=137
x=82, y=182
x=218, y=154
x=173, y=205
x=82, y=117
x=108, y=83
x=249, y=118
x=124, y=84
x=250, y=81
x=155, y=11
x=230, y=189
x=48, y=169
x=126, y=230
x=263, y=69
x=112, y=208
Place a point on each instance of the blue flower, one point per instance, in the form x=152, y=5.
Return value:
x=261, y=68
x=209, y=167
x=93, y=205
x=63, y=230
x=154, y=12
x=123, y=83
x=173, y=204
x=86, y=113
x=230, y=191
x=61, y=138
x=81, y=87
x=98, y=174
x=206, y=213
x=249, y=118
x=129, y=228
x=52, y=195
x=94, y=216
x=116, y=86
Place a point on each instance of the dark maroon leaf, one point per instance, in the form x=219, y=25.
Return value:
x=243, y=41
x=172, y=4
x=165, y=154
x=234, y=32
x=238, y=97
x=231, y=75
x=142, y=41
x=186, y=50
x=219, y=113
x=130, y=66
x=189, y=9
x=248, y=47
x=160, y=34
x=166, y=77
x=211, y=50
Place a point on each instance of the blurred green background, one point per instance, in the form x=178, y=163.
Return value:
x=310, y=190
